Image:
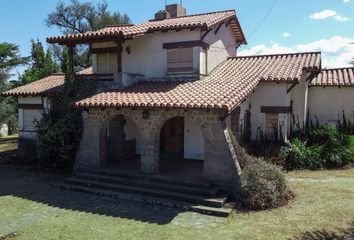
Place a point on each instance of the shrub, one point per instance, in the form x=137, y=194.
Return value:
x=298, y=156
x=336, y=146
x=263, y=186
x=325, y=147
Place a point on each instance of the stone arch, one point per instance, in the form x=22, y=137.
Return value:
x=107, y=117
x=198, y=118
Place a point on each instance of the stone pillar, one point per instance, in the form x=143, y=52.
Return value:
x=218, y=164
x=89, y=151
x=149, y=152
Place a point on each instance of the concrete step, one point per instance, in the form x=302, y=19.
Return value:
x=192, y=198
x=204, y=191
x=153, y=178
x=213, y=211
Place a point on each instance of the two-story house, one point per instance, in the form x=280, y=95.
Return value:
x=176, y=89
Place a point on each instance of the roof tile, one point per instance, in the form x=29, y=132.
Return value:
x=334, y=77
x=224, y=88
x=206, y=20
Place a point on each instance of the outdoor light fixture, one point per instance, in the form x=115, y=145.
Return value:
x=145, y=114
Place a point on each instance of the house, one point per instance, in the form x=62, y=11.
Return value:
x=173, y=90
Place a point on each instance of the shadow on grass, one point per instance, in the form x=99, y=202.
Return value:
x=22, y=183
x=342, y=234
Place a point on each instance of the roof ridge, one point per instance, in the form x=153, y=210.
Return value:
x=194, y=15
x=275, y=54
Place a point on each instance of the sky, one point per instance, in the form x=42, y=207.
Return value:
x=270, y=26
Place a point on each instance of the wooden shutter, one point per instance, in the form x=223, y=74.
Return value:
x=180, y=60
x=30, y=116
x=271, y=125
x=107, y=63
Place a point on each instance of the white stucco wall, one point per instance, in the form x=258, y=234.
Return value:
x=222, y=46
x=193, y=141
x=147, y=56
x=30, y=100
x=131, y=133
x=267, y=94
x=298, y=96
x=328, y=103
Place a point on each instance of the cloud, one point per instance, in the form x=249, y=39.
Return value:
x=286, y=34
x=341, y=18
x=323, y=15
x=336, y=51
x=328, y=13
x=346, y=1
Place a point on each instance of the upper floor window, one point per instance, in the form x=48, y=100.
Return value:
x=107, y=63
x=180, y=60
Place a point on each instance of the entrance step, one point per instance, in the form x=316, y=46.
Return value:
x=191, y=198
x=187, y=194
x=207, y=191
x=151, y=178
x=213, y=211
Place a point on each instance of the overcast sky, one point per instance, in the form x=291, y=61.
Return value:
x=270, y=26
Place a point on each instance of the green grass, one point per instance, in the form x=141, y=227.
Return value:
x=32, y=209
x=324, y=200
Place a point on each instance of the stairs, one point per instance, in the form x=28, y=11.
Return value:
x=190, y=195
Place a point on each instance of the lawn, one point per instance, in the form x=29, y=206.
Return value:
x=30, y=209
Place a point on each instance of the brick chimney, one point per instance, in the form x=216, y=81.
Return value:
x=171, y=11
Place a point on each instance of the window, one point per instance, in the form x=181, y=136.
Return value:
x=271, y=125
x=30, y=116
x=107, y=63
x=180, y=60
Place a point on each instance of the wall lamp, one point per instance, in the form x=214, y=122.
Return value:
x=145, y=114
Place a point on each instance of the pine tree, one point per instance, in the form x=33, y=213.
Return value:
x=42, y=64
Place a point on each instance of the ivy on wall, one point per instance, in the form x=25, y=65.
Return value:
x=60, y=129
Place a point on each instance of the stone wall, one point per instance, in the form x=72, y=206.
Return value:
x=219, y=165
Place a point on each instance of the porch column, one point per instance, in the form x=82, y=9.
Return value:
x=89, y=150
x=71, y=58
x=218, y=164
x=149, y=152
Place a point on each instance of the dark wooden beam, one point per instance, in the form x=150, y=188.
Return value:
x=275, y=109
x=30, y=106
x=119, y=57
x=228, y=22
x=104, y=50
x=218, y=28
x=206, y=33
x=173, y=45
x=291, y=87
x=71, y=58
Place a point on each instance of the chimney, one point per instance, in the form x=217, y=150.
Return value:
x=171, y=11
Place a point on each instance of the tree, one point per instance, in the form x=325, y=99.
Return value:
x=9, y=58
x=42, y=64
x=79, y=17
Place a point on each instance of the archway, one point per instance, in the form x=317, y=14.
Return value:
x=181, y=148
x=120, y=144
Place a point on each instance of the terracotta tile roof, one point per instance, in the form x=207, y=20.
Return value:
x=225, y=88
x=334, y=77
x=204, y=21
x=44, y=87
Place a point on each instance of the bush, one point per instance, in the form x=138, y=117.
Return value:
x=58, y=141
x=263, y=186
x=325, y=147
x=298, y=156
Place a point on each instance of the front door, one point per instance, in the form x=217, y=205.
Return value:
x=172, y=136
